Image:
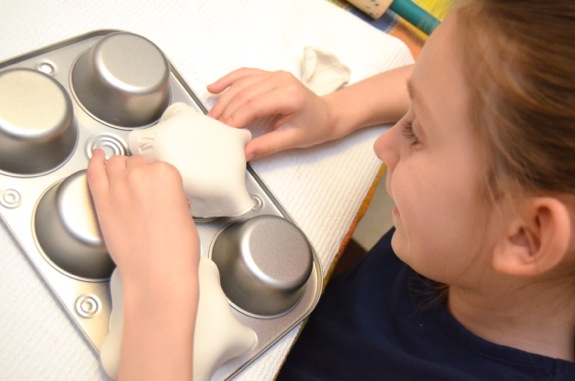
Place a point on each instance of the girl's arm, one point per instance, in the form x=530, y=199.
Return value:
x=148, y=230
x=380, y=99
x=300, y=117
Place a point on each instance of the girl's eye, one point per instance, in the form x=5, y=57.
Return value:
x=407, y=132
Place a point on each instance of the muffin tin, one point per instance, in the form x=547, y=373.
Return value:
x=59, y=103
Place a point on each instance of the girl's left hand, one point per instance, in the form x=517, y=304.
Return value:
x=301, y=118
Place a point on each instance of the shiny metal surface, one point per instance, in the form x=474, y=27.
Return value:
x=37, y=130
x=264, y=264
x=67, y=230
x=123, y=80
x=31, y=203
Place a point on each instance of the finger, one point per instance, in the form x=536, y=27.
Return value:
x=246, y=104
x=229, y=98
x=96, y=172
x=230, y=78
x=273, y=142
x=135, y=161
x=279, y=93
x=115, y=166
x=270, y=102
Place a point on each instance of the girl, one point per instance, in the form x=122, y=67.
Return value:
x=482, y=172
x=476, y=279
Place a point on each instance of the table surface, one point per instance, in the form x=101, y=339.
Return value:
x=322, y=188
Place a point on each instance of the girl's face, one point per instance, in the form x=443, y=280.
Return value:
x=433, y=168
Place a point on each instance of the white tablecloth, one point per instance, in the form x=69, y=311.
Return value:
x=321, y=188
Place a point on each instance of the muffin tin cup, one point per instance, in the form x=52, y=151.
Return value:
x=45, y=204
x=123, y=80
x=37, y=127
x=264, y=262
x=67, y=230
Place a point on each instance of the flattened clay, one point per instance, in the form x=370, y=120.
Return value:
x=209, y=155
x=219, y=336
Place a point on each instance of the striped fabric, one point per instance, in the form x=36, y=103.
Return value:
x=396, y=26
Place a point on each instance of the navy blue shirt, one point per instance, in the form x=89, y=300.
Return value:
x=383, y=321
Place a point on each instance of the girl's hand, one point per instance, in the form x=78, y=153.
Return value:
x=150, y=234
x=144, y=218
x=301, y=118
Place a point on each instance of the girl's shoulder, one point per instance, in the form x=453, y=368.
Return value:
x=382, y=320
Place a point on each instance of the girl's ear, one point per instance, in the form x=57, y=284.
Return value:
x=536, y=240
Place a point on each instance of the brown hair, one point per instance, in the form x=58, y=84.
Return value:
x=519, y=58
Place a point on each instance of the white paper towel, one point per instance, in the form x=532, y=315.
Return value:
x=321, y=188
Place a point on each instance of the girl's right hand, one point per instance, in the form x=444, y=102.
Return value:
x=149, y=232
x=301, y=118
x=144, y=218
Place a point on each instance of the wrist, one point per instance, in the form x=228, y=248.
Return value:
x=343, y=118
x=381, y=99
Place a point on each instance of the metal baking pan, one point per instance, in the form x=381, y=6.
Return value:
x=47, y=134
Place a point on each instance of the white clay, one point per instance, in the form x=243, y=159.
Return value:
x=218, y=337
x=110, y=350
x=209, y=155
x=322, y=72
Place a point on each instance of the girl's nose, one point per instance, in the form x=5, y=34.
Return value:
x=386, y=148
